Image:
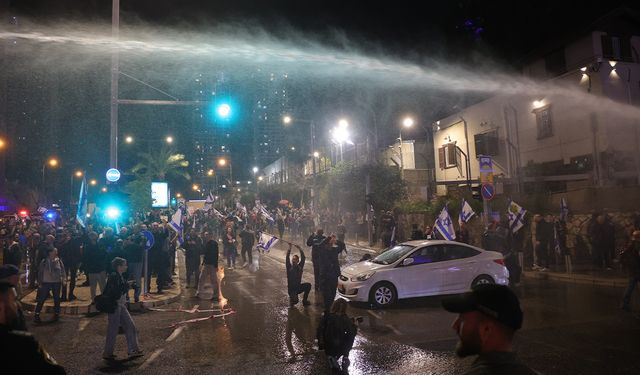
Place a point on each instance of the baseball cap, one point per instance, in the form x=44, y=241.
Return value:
x=495, y=301
x=8, y=270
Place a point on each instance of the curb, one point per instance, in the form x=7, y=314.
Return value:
x=577, y=279
x=90, y=309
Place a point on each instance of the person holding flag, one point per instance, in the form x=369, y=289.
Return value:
x=466, y=212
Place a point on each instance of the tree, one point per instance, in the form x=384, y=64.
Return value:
x=162, y=166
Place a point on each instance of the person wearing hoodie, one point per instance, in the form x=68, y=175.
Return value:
x=50, y=275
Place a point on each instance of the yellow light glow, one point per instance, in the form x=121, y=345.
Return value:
x=93, y=182
x=407, y=122
x=1, y=143
x=583, y=69
x=222, y=162
x=178, y=195
x=316, y=154
x=129, y=139
x=79, y=173
x=169, y=139
x=613, y=63
x=538, y=103
x=195, y=187
x=286, y=119
x=210, y=172
x=53, y=162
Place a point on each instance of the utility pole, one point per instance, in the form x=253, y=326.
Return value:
x=115, y=68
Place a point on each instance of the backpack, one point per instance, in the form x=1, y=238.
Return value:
x=104, y=302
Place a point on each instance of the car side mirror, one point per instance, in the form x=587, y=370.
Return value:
x=407, y=261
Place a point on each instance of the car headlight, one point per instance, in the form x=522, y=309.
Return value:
x=363, y=277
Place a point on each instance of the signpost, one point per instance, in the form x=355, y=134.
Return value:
x=113, y=175
x=148, y=245
x=488, y=191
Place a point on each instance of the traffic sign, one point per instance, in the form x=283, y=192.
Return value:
x=488, y=191
x=150, y=241
x=486, y=169
x=113, y=175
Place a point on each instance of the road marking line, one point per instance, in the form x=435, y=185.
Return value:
x=176, y=332
x=84, y=322
x=394, y=329
x=375, y=315
x=151, y=358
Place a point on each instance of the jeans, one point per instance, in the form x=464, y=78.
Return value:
x=302, y=288
x=247, y=251
x=212, y=271
x=135, y=274
x=95, y=279
x=121, y=318
x=72, y=273
x=230, y=253
x=626, y=299
x=43, y=294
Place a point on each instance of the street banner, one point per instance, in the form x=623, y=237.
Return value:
x=516, y=216
x=466, y=212
x=81, y=213
x=444, y=225
x=266, y=241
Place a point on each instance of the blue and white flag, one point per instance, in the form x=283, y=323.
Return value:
x=466, y=212
x=81, y=213
x=266, y=241
x=218, y=214
x=564, y=210
x=264, y=212
x=241, y=208
x=516, y=216
x=176, y=224
x=208, y=203
x=444, y=225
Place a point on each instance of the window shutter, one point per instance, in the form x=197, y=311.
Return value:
x=441, y=158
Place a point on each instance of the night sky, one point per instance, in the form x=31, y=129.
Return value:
x=467, y=33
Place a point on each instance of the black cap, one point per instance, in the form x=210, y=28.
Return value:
x=495, y=301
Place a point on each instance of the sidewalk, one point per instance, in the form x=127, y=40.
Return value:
x=82, y=305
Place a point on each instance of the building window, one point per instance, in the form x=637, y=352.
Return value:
x=616, y=48
x=543, y=121
x=487, y=143
x=448, y=156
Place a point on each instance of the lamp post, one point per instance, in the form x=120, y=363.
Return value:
x=340, y=134
x=222, y=162
x=312, y=148
x=53, y=162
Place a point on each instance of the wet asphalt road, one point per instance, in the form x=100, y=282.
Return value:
x=568, y=329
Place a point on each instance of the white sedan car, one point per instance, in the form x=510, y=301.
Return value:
x=421, y=268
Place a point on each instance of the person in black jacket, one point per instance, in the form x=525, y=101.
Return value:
x=192, y=251
x=93, y=263
x=336, y=334
x=17, y=346
x=115, y=292
x=329, y=269
x=248, y=239
x=315, y=240
x=210, y=266
x=295, y=285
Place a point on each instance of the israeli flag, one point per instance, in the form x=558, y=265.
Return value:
x=208, y=203
x=241, y=208
x=564, y=210
x=266, y=241
x=218, y=214
x=81, y=213
x=516, y=216
x=466, y=212
x=176, y=224
x=265, y=213
x=444, y=225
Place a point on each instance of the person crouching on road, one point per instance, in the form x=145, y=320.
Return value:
x=295, y=267
x=116, y=290
x=336, y=334
x=50, y=276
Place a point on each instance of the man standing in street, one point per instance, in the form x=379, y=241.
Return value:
x=489, y=316
x=630, y=259
x=329, y=270
x=192, y=250
x=295, y=285
x=315, y=240
x=210, y=266
x=248, y=239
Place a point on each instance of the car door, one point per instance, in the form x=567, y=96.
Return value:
x=424, y=275
x=460, y=264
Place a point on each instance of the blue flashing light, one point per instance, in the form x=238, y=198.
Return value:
x=50, y=215
x=225, y=111
x=113, y=213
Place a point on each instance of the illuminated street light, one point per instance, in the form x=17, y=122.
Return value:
x=128, y=139
x=224, y=110
x=104, y=189
x=222, y=162
x=53, y=162
x=260, y=178
x=287, y=120
x=178, y=195
x=210, y=172
x=195, y=187
x=93, y=182
x=293, y=148
x=79, y=173
x=255, y=170
x=407, y=122
x=169, y=139
x=1, y=143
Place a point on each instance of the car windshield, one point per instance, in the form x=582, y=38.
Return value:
x=393, y=254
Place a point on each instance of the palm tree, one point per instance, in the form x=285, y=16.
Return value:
x=162, y=165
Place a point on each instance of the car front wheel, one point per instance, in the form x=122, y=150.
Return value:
x=383, y=294
x=482, y=279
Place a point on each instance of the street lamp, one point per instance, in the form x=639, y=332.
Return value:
x=93, y=182
x=178, y=195
x=407, y=122
x=169, y=139
x=128, y=139
x=53, y=162
x=340, y=134
x=255, y=170
x=1, y=143
x=195, y=187
x=222, y=162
